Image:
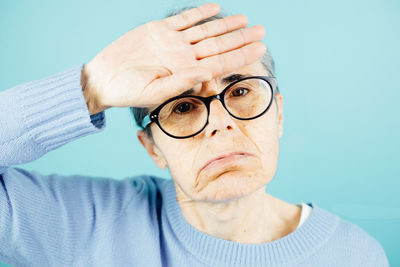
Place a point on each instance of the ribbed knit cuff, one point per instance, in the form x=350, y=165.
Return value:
x=55, y=111
x=98, y=119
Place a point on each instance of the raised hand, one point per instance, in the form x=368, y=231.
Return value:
x=163, y=58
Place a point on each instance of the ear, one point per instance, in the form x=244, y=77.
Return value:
x=279, y=102
x=152, y=149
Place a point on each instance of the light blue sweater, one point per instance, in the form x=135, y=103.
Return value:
x=54, y=220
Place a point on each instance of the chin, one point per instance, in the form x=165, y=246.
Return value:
x=231, y=185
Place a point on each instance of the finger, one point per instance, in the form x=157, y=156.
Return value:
x=229, y=41
x=181, y=81
x=227, y=62
x=215, y=28
x=190, y=17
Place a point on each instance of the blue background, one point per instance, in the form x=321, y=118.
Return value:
x=337, y=64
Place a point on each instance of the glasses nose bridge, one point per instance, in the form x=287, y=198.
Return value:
x=209, y=99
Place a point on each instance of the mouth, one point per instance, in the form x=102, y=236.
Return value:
x=225, y=157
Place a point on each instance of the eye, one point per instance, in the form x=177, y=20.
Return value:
x=183, y=107
x=239, y=91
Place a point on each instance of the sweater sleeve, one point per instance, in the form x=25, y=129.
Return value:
x=40, y=116
x=46, y=219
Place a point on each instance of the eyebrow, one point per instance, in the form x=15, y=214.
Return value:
x=233, y=78
x=187, y=92
x=226, y=80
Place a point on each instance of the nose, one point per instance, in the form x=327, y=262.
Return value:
x=219, y=119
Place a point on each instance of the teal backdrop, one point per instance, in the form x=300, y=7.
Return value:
x=337, y=64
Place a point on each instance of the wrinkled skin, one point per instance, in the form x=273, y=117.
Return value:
x=229, y=200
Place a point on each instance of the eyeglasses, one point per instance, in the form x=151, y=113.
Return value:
x=185, y=116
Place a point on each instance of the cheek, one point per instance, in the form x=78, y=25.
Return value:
x=181, y=157
x=178, y=153
x=263, y=133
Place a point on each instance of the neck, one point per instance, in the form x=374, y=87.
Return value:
x=251, y=219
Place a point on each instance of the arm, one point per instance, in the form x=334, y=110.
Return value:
x=50, y=220
x=47, y=220
x=40, y=116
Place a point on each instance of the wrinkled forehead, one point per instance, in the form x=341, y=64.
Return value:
x=253, y=69
x=217, y=84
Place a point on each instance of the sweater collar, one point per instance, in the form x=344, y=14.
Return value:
x=287, y=250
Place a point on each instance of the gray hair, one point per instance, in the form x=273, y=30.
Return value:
x=266, y=60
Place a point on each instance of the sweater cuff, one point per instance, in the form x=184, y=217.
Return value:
x=55, y=111
x=98, y=119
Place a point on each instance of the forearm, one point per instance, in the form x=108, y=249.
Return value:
x=39, y=116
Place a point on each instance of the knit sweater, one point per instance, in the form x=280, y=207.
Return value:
x=76, y=220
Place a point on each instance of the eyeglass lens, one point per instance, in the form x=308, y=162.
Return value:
x=245, y=99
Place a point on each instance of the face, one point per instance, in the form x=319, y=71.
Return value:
x=231, y=177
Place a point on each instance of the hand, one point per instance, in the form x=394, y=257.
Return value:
x=163, y=58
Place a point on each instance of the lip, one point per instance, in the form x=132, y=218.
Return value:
x=224, y=156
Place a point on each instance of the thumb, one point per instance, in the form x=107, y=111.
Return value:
x=177, y=83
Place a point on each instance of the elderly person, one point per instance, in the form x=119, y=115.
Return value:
x=201, y=86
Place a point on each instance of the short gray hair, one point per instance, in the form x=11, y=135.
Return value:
x=266, y=60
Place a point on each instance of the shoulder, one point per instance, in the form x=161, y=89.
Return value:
x=105, y=194
x=145, y=184
x=359, y=238
x=143, y=189
x=360, y=247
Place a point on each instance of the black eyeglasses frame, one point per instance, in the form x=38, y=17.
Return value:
x=153, y=116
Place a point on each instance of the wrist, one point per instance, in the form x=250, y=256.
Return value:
x=90, y=98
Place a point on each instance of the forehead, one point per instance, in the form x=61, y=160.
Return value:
x=217, y=84
x=253, y=69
